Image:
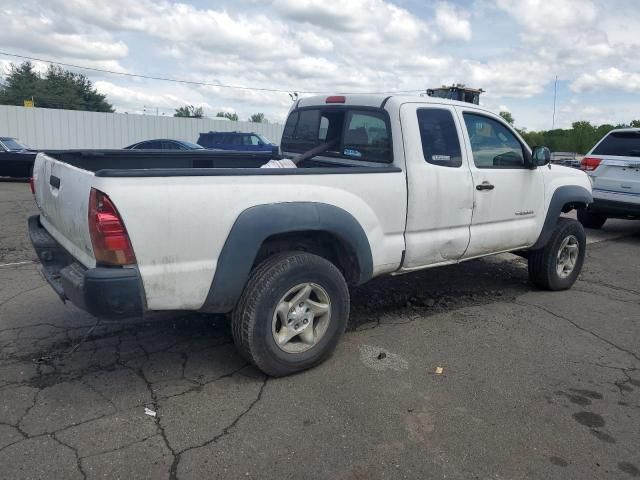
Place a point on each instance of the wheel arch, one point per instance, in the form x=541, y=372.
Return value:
x=563, y=200
x=264, y=230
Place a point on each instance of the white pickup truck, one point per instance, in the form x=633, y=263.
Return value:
x=404, y=184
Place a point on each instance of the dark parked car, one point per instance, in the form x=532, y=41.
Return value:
x=164, y=144
x=239, y=141
x=16, y=159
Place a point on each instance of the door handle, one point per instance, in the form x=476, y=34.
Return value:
x=485, y=186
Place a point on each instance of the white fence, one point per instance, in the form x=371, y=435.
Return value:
x=44, y=128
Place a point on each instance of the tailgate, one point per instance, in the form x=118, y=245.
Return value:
x=619, y=175
x=62, y=196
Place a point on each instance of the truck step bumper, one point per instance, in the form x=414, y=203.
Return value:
x=105, y=292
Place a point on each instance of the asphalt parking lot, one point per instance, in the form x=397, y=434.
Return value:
x=533, y=385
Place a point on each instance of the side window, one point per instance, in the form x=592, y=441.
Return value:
x=255, y=140
x=440, y=141
x=492, y=144
x=170, y=146
x=366, y=136
x=235, y=140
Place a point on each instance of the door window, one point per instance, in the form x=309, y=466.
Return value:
x=170, y=146
x=493, y=145
x=440, y=142
x=152, y=145
x=250, y=140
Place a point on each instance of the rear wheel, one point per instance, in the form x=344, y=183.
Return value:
x=558, y=264
x=291, y=314
x=591, y=220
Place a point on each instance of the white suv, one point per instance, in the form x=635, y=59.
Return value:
x=613, y=166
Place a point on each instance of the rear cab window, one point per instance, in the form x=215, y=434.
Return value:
x=619, y=144
x=362, y=133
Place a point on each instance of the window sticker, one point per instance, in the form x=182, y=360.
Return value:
x=351, y=152
x=441, y=158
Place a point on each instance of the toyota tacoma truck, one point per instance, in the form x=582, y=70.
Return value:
x=404, y=184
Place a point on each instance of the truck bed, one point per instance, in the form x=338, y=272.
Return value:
x=162, y=163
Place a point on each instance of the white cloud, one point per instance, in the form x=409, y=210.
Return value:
x=607, y=78
x=515, y=78
x=382, y=17
x=514, y=51
x=28, y=30
x=452, y=23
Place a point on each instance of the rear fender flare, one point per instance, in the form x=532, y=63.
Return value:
x=254, y=225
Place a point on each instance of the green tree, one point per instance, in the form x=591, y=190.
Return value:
x=507, y=117
x=580, y=138
x=258, y=118
x=233, y=116
x=57, y=88
x=189, y=111
x=635, y=124
x=583, y=137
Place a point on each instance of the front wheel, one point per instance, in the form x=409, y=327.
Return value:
x=558, y=264
x=291, y=314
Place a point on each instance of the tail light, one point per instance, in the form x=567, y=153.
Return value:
x=590, y=163
x=32, y=185
x=111, y=244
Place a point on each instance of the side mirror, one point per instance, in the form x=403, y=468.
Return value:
x=541, y=156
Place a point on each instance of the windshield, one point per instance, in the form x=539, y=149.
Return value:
x=623, y=144
x=12, y=144
x=192, y=146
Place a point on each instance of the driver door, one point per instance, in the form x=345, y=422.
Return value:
x=508, y=195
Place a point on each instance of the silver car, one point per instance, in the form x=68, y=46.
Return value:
x=613, y=166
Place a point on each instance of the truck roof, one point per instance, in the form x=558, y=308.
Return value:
x=630, y=129
x=376, y=100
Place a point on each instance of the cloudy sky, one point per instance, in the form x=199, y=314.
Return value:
x=512, y=48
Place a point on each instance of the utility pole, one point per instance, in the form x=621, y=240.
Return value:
x=555, y=93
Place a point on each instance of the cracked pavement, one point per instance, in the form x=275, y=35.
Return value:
x=534, y=384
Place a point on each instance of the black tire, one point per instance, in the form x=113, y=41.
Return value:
x=542, y=263
x=591, y=220
x=251, y=321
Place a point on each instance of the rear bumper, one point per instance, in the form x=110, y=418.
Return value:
x=105, y=292
x=616, y=205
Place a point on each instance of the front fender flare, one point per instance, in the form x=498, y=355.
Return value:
x=561, y=196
